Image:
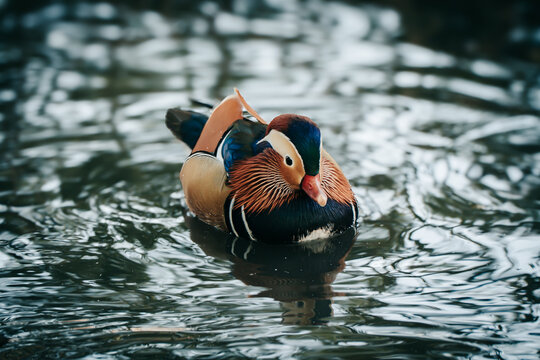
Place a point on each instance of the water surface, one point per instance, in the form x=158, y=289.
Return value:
x=432, y=111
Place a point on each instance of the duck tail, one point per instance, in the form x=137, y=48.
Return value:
x=185, y=125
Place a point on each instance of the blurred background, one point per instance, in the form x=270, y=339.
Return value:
x=431, y=108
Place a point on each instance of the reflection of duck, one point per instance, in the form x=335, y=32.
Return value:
x=298, y=275
x=248, y=176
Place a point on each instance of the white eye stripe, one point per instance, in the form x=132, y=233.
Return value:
x=282, y=145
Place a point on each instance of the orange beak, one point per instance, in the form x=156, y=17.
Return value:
x=312, y=187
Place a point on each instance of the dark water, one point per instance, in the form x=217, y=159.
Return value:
x=431, y=108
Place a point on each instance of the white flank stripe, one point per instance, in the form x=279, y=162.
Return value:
x=246, y=225
x=353, y=214
x=231, y=218
x=197, y=154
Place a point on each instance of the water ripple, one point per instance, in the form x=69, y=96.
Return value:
x=99, y=256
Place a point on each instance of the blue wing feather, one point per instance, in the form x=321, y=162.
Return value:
x=186, y=125
x=241, y=141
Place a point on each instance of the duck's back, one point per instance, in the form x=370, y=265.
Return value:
x=217, y=143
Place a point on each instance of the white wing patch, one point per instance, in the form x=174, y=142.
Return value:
x=321, y=233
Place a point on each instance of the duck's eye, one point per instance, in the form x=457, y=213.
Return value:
x=288, y=160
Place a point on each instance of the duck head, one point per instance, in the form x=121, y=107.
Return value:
x=297, y=140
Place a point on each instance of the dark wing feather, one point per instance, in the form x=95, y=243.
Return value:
x=186, y=125
x=241, y=142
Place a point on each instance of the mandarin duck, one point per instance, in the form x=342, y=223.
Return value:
x=269, y=182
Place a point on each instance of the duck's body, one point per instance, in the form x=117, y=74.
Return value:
x=273, y=182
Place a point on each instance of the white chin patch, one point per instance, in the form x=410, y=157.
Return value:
x=321, y=233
